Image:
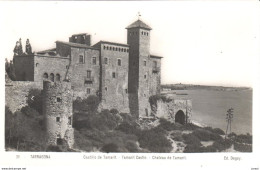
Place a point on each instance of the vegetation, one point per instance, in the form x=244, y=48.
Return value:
x=87, y=105
x=34, y=100
x=9, y=68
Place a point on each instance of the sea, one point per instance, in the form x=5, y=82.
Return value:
x=209, y=108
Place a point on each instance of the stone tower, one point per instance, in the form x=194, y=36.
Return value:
x=138, y=38
x=57, y=109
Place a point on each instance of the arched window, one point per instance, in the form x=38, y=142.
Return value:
x=104, y=47
x=57, y=77
x=110, y=48
x=124, y=50
x=52, y=77
x=45, y=76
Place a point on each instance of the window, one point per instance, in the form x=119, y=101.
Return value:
x=116, y=48
x=144, y=63
x=147, y=34
x=127, y=50
x=57, y=77
x=154, y=64
x=145, y=76
x=105, y=88
x=57, y=119
x=110, y=48
x=119, y=62
x=88, y=74
x=142, y=33
x=130, y=33
x=58, y=99
x=69, y=121
x=88, y=90
x=59, y=141
x=45, y=76
x=52, y=77
x=126, y=91
x=94, y=60
x=67, y=67
x=105, y=60
x=37, y=64
x=104, y=47
x=114, y=75
x=81, y=59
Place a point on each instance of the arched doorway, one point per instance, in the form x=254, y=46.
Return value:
x=180, y=117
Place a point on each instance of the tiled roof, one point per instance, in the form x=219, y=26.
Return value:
x=75, y=44
x=139, y=24
x=155, y=56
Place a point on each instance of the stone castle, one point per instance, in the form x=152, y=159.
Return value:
x=123, y=76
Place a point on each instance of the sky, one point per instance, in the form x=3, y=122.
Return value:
x=211, y=43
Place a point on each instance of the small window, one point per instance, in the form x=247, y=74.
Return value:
x=59, y=141
x=81, y=59
x=88, y=90
x=147, y=34
x=119, y=62
x=45, y=75
x=127, y=50
x=114, y=75
x=57, y=119
x=124, y=50
x=94, y=60
x=130, y=33
x=88, y=74
x=145, y=76
x=144, y=95
x=116, y=48
x=105, y=60
x=144, y=63
x=37, y=64
x=110, y=48
x=57, y=77
x=58, y=99
x=69, y=121
x=52, y=77
x=104, y=47
x=67, y=67
x=126, y=91
x=105, y=88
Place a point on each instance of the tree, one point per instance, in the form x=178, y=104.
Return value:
x=9, y=68
x=229, y=117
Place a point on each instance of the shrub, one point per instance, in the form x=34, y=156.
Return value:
x=190, y=126
x=111, y=147
x=34, y=100
x=205, y=135
x=30, y=112
x=191, y=148
x=131, y=146
x=154, y=140
x=242, y=147
x=53, y=148
x=166, y=125
x=128, y=128
x=222, y=144
x=114, y=111
x=244, y=139
x=215, y=130
x=89, y=104
x=191, y=139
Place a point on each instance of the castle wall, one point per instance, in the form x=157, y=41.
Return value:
x=57, y=109
x=47, y=64
x=114, y=82
x=24, y=67
x=16, y=93
x=82, y=83
x=155, y=76
x=169, y=109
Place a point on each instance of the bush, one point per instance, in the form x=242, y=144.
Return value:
x=128, y=128
x=111, y=147
x=242, y=147
x=244, y=138
x=114, y=111
x=53, y=148
x=205, y=135
x=30, y=112
x=215, y=130
x=34, y=100
x=89, y=104
x=166, y=125
x=191, y=148
x=131, y=146
x=191, y=139
x=222, y=144
x=154, y=140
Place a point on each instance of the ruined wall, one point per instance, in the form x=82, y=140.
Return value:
x=114, y=80
x=169, y=109
x=83, y=85
x=24, y=67
x=57, y=109
x=16, y=93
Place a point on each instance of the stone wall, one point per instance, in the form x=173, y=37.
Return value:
x=16, y=93
x=24, y=67
x=57, y=109
x=155, y=76
x=169, y=109
x=83, y=85
x=114, y=76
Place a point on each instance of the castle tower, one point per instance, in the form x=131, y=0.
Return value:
x=138, y=38
x=57, y=109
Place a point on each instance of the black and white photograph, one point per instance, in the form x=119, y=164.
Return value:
x=126, y=77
